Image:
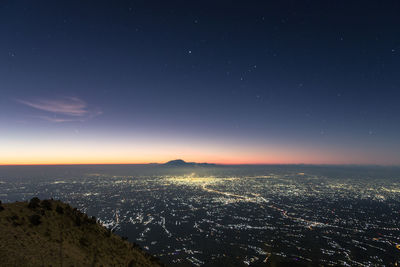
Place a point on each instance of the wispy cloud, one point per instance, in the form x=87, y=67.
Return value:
x=64, y=109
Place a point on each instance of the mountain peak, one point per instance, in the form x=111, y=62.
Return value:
x=182, y=163
x=176, y=162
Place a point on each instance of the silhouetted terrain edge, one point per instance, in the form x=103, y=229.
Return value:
x=182, y=163
x=52, y=233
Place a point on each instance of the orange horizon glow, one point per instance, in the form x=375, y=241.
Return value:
x=226, y=163
x=40, y=150
x=115, y=158
x=240, y=157
x=148, y=162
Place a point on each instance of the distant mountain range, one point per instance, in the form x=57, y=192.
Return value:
x=182, y=163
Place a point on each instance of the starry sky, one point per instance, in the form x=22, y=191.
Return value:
x=232, y=82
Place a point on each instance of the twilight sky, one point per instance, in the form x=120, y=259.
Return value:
x=216, y=81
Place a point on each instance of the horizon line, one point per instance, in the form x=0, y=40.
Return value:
x=218, y=164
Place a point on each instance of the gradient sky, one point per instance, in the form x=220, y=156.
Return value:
x=215, y=81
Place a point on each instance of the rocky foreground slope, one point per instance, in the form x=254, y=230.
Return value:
x=52, y=233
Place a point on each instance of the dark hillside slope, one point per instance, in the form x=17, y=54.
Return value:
x=51, y=233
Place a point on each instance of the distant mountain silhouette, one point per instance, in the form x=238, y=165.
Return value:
x=182, y=163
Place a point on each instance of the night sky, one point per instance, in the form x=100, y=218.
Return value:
x=211, y=81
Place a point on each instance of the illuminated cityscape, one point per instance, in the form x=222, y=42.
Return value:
x=293, y=213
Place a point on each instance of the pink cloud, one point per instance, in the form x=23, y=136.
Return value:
x=65, y=109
